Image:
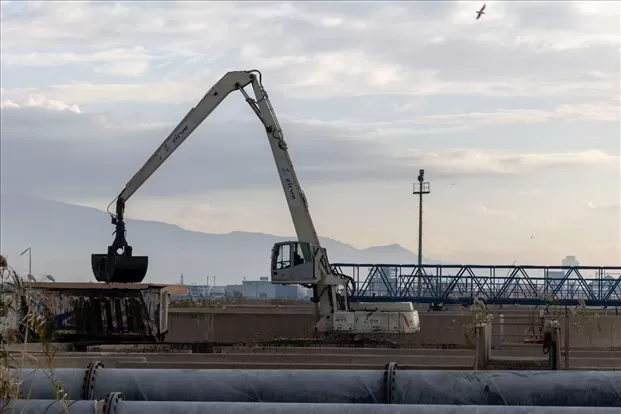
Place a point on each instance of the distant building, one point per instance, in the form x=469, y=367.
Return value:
x=217, y=291
x=249, y=289
x=570, y=261
x=570, y=288
x=177, y=290
x=265, y=289
x=293, y=292
x=253, y=289
x=602, y=286
x=199, y=290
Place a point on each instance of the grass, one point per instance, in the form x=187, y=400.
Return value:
x=583, y=322
x=22, y=324
x=480, y=315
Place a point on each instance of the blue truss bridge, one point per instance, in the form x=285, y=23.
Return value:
x=497, y=285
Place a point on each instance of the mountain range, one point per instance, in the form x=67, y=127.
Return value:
x=62, y=237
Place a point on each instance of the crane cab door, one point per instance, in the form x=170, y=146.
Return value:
x=293, y=263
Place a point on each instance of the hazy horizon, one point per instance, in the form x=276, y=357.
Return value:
x=62, y=237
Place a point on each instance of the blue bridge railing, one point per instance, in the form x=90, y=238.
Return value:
x=509, y=284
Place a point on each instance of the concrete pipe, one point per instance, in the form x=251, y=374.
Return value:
x=312, y=386
x=193, y=407
x=537, y=388
x=43, y=384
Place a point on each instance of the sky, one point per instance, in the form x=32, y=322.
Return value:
x=514, y=117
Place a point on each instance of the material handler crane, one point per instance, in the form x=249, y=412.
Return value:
x=303, y=262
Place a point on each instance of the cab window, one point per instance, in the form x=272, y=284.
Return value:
x=283, y=257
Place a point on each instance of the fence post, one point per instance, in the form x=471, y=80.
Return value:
x=502, y=328
x=567, y=324
x=483, y=332
x=553, y=329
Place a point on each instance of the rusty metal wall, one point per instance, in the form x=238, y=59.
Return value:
x=101, y=314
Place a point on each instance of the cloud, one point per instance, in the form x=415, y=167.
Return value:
x=597, y=74
x=613, y=206
x=488, y=211
x=49, y=153
x=88, y=93
x=409, y=106
x=579, y=112
x=8, y=104
x=477, y=162
x=136, y=53
x=130, y=68
x=39, y=101
x=465, y=121
x=535, y=192
x=325, y=49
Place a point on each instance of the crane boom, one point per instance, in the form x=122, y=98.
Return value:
x=121, y=266
x=212, y=99
x=302, y=262
x=296, y=200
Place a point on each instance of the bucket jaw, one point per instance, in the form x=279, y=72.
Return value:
x=119, y=265
x=110, y=268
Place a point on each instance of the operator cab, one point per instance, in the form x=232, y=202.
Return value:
x=293, y=263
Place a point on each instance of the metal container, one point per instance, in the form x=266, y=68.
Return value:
x=100, y=312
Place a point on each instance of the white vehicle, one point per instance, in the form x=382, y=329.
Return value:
x=302, y=262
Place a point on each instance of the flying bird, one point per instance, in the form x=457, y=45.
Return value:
x=480, y=12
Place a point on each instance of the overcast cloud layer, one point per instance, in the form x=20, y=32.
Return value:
x=525, y=99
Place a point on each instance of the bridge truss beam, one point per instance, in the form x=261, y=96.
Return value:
x=508, y=284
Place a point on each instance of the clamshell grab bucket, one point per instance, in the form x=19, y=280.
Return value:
x=119, y=269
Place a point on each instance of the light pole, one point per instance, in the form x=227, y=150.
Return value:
x=29, y=250
x=421, y=188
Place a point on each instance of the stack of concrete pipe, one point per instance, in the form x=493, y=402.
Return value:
x=158, y=391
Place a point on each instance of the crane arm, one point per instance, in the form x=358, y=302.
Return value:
x=313, y=269
x=121, y=251
x=227, y=84
x=296, y=200
x=323, y=281
x=263, y=109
